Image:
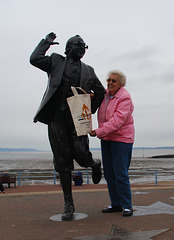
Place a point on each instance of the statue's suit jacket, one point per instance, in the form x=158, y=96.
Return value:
x=54, y=65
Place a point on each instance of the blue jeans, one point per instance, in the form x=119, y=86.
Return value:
x=116, y=158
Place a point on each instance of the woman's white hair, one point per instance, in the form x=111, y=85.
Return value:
x=122, y=76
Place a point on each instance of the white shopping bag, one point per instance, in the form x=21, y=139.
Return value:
x=80, y=108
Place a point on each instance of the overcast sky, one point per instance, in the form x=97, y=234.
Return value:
x=134, y=36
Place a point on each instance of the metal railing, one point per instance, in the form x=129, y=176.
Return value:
x=155, y=175
x=51, y=176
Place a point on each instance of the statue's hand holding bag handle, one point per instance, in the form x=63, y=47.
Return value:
x=80, y=108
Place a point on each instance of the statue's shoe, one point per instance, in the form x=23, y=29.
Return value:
x=68, y=212
x=96, y=172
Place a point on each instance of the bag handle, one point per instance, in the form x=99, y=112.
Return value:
x=75, y=91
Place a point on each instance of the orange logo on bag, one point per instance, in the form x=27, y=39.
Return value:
x=86, y=114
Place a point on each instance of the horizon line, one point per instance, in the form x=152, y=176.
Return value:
x=91, y=148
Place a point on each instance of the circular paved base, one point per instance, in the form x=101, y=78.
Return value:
x=76, y=216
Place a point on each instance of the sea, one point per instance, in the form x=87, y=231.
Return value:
x=144, y=168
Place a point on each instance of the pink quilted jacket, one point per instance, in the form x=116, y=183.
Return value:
x=115, y=118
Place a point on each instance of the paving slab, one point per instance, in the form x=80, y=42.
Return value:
x=26, y=214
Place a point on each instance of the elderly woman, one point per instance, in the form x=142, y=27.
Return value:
x=116, y=131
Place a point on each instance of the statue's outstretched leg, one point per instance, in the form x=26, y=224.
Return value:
x=84, y=158
x=66, y=181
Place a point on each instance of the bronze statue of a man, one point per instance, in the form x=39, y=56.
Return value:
x=64, y=72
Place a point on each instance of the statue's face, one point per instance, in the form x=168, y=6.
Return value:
x=77, y=48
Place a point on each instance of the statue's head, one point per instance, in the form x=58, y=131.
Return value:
x=75, y=47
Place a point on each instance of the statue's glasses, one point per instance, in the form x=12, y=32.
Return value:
x=79, y=45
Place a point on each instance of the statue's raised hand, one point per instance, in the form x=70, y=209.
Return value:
x=50, y=38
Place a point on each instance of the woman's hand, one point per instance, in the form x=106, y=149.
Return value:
x=93, y=133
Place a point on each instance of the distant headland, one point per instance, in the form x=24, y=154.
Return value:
x=19, y=150
x=164, y=156
x=92, y=149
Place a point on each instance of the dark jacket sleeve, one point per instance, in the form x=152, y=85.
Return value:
x=38, y=58
x=99, y=92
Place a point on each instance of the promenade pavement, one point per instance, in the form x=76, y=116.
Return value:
x=33, y=213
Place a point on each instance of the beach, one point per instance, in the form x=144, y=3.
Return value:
x=142, y=167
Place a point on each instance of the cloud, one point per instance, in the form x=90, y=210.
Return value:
x=135, y=37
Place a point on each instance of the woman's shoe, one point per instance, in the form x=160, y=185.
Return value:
x=127, y=212
x=111, y=209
